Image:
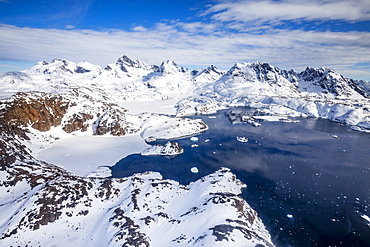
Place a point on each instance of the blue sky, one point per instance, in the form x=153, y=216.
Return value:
x=289, y=34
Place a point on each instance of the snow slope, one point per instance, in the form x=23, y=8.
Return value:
x=41, y=205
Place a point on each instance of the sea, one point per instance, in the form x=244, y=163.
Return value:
x=308, y=178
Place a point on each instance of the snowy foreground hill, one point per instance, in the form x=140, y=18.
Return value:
x=123, y=107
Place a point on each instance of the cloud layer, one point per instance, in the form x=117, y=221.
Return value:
x=230, y=32
x=288, y=10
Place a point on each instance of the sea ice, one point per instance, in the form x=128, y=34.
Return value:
x=194, y=170
x=86, y=153
x=194, y=139
x=367, y=218
x=242, y=139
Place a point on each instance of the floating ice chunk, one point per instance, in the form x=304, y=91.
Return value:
x=194, y=145
x=242, y=139
x=194, y=139
x=255, y=124
x=367, y=218
x=334, y=136
x=206, y=140
x=285, y=120
x=289, y=216
x=194, y=170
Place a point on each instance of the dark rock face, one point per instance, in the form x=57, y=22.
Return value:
x=110, y=123
x=114, y=129
x=77, y=122
x=12, y=150
x=39, y=110
x=81, y=70
x=42, y=111
x=331, y=82
x=129, y=232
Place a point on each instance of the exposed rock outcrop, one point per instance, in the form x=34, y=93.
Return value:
x=110, y=123
x=169, y=149
x=39, y=110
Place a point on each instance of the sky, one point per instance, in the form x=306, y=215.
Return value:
x=289, y=34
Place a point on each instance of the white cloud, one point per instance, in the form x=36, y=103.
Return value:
x=5, y=65
x=183, y=43
x=288, y=10
x=70, y=27
x=139, y=29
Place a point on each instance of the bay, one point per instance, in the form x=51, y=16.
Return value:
x=309, y=181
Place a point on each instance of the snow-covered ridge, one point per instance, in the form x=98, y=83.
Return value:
x=125, y=79
x=313, y=92
x=45, y=206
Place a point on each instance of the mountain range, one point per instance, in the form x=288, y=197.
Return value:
x=313, y=92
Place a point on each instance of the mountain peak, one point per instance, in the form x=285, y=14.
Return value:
x=330, y=81
x=64, y=61
x=212, y=70
x=170, y=67
x=42, y=63
x=125, y=60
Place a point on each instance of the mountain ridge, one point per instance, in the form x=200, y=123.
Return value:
x=263, y=72
x=311, y=92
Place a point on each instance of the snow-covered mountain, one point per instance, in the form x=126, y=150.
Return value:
x=328, y=81
x=313, y=92
x=43, y=204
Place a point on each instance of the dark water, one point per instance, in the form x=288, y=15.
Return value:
x=309, y=188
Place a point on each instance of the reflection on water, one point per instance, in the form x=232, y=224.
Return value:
x=309, y=181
